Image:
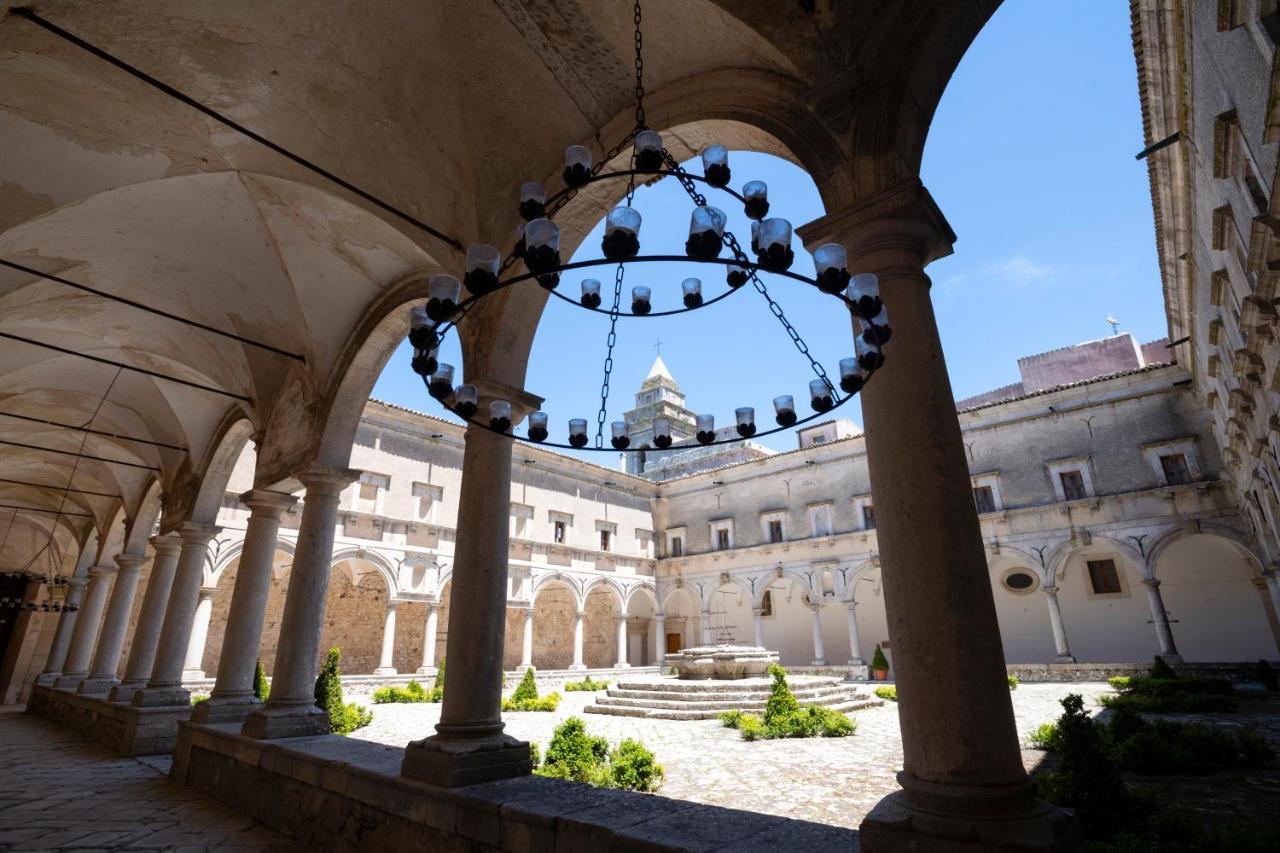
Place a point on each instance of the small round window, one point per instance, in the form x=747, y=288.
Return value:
x=1017, y=581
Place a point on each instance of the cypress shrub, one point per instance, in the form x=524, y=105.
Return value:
x=261, y=687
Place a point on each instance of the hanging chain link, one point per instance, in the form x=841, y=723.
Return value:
x=640, y=119
x=731, y=241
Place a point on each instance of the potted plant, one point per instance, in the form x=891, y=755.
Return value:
x=879, y=664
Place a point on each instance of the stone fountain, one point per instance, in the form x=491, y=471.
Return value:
x=721, y=662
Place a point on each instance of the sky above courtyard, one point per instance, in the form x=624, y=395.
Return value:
x=1031, y=159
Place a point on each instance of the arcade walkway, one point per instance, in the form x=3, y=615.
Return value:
x=60, y=791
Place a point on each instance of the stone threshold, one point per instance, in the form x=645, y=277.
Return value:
x=342, y=793
x=119, y=726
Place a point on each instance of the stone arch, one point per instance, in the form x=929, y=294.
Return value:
x=681, y=610
x=791, y=575
x=355, y=608
x=1023, y=615
x=788, y=628
x=619, y=594
x=1168, y=538
x=642, y=590
x=731, y=617
x=1110, y=628
x=375, y=558
x=860, y=571
x=556, y=600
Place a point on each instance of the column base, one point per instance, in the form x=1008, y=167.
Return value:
x=158, y=697
x=454, y=762
x=70, y=681
x=95, y=686
x=225, y=709
x=622, y=666
x=858, y=672
x=965, y=820
x=426, y=670
x=818, y=662
x=385, y=670
x=125, y=690
x=193, y=675
x=292, y=720
x=577, y=667
x=1065, y=659
x=47, y=679
x=857, y=662
x=1172, y=659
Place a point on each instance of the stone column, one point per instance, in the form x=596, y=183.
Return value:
x=757, y=619
x=962, y=766
x=62, y=634
x=232, y=698
x=579, y=617
x=86, y=630
x=1059, y=629
x=1271, y=577
x=429, y=640
x=526, y=644
x=469, y=745
x=819, y=649
x=704, y=626
x=622, y=643
x=102, y=676
x=386, y=663
x=192, y=669
x=164, y=688
x=660, y=641
x=1160, y=618
x=855, y=648
x=291, y=710
x=146, y=634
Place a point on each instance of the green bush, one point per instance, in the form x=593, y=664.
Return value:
x=527, y=689
x=1178, y=686
x=878, y=660
x=751, y=727
x=525, y=697
x=888, y=693
x=833, y=723
x=586, y=685
x=575, y=755
x=535, y=755
x=1045, y=737
x=730, y=719
x=1088, y=777
x=1160, y=669
x=261, y=687
x=633, y=767
x=437, y=689
x=411, y=692
x=197, y=698
x=343, y=717
x=782, y=702
x=1188, y=703
x=1119, y=682
x=1013, y=682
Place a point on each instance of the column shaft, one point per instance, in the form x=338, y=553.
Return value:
x=855, y=647
x=622, y=643
x=146, y=634
x=819, y=649
x=757, y=621
x=102, y=676
x=386, y=662
x=86, y=629
x=704, y=623
x=526, y=643
x=1060, y=643
x=429, y=640
x=579, y=617
x=660, y=639
x=193, y=667
x=1160, y=618
x=62, y=634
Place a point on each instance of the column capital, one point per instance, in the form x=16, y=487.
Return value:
x=903, y=218
x=266, y=502
x=101, y=571
x=581, y=614
x=660, y=616
x=166, y=544
x=327, y=479
x=130, y=562
x=522, y=402
x=1154, y=583
x=757, y=611
x=621, y=617
x=207, y=592
x=197, y=534
x=393, y=603
x=1049, y=590
x=76, y=583
x=850, y=604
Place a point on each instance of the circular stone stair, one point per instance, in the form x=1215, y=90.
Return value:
x=673, y=699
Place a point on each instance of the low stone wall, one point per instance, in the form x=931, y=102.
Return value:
x=1071, y=672
x=120, y=727
x=339, y=794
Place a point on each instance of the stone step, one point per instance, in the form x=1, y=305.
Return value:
x=669, y=714
x=741, y=685
x=811, y=695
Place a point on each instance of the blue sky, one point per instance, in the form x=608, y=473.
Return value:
x=1030, y=157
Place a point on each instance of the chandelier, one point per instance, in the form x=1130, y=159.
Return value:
x=538, y=247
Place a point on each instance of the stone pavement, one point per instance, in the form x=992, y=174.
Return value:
x=832, y=781
x=59, y=791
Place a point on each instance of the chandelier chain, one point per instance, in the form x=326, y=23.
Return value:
x=640, y=118
x=691, y=188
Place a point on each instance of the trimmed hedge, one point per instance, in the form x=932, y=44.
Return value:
x=586, y=685
x=1157, y=695
x=578, y=756
x=525, y=697
x=889, y=693
x=261, y=687
x=785, y=717
x=344, y=717
x=410, y=693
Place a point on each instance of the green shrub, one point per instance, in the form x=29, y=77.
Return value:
x=751, y=727
x=353, y=717
x=1160, y=669
x=1013, y=682
x=328, y=690
x=586, y=685
x=525, y=697
x=411, y=692
x=1045, y=737
x=833, y=723
x=1254, y=747
x=437, y=689
x=878, y=660
x=888, y=693
x=1190, y=703
x=535, y=755
x=633, y=767
x=1088, y=777
x=527, y=689
x=1169, y=746
x=1119, y=682
x=197, y=698
x=261, y=687
x=730, y=719
x=1178, y=686
x=575, y=755
x=1265, y=673
x=782, y=702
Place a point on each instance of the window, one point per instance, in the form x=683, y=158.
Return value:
x=984, y=498
x=675, y=541
x=818, y=439
x=775, y=531
x=722, y=534
x=604, y=540
x=1176, y=472
x=559, y=532
x=1072, y=485
x=608, y=533
x=722, y=539
x=369, y=492
x=428, y=499
x=766, y=603
x=868, y=517
x=560, y=524
x=677, y=546
x=1019, y=581
x=1103, y=577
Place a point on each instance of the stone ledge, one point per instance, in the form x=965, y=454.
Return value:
x=123, y=728
x=336, y=793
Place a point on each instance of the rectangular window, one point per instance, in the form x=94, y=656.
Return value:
x=604, y=540
x=984, y=498
x=559, y=532
x=677, y=546
x=819, y=439
x=1176, y=472
x=722, y=539
x=868, y=517
x=766, y=603
x=775, y=531
x=1072, y=485
x=1103, y=577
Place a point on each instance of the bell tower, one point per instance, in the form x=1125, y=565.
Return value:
x=659, y=397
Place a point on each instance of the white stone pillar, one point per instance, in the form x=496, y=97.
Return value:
x=819, y=650
x=102, y=676
x=386, y=663
x=62, y=634
x=526, y=644
x=579, y=618
x=757, y=620
x=232, y=698
x=429, y=640
x=146, y=634
x=704, y=625
x=1059, y=628
x=660, y=640
x=164, y=688
x=962, y=772
x=291, y=710
x=1160, y=618
x=622, y=643
x=193, y=668
x=469, y=745
x=855, y=648
x=86, y=630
